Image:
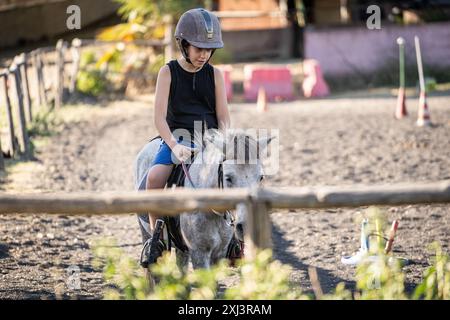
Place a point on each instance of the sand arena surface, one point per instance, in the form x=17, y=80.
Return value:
x=336, y=141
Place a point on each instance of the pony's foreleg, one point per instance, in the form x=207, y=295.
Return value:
x=217, y=257
x=201, y=259
x=182, y=260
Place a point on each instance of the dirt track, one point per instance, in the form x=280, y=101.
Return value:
x=332, y=141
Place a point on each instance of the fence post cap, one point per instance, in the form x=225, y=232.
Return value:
x=19, y=59
x=13, y=67
x=76, y=42
x=59, y=44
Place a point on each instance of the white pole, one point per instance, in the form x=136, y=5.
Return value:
x=419, y=64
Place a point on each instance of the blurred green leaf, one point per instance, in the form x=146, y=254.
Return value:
x=263, y=278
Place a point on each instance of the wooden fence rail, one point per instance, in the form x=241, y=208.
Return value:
x=258, y=202
x=172, y=202
x=137, y=42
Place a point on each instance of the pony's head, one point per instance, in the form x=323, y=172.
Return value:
x=241, y=155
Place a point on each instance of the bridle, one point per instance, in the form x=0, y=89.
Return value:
x=228, y=215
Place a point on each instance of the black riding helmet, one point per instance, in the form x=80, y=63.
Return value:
x=199, y=28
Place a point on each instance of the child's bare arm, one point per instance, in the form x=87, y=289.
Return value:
x=161, y=101
x=223, y=116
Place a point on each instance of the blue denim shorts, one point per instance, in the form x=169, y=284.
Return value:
x=165, y=155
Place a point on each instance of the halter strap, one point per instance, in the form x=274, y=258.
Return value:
x=219, y=175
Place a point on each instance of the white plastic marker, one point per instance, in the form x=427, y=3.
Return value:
x=363, y=253
x=364, y=235
x=423, y=118
x=364, y=246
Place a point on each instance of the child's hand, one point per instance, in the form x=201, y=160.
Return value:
x=182, y=153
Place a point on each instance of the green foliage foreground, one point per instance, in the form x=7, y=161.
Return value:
x=263, y=278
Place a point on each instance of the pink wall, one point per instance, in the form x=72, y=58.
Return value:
x=346, y=49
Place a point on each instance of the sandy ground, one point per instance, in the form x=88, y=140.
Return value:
x=336, y=141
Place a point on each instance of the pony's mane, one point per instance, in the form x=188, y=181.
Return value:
x=235, y=145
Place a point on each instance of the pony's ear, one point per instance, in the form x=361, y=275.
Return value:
x=214, y=137
x=263, y=143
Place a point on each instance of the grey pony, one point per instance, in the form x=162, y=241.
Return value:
x=206, y=234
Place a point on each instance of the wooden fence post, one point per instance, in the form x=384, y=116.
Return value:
x=258, y=227
x=40, y=78
x=168, y=35
x=12, y=137
x=23, y=136
x=2, y=161
x=39, y=95
x=59, y=80
x=26, y=85
x=76, y=54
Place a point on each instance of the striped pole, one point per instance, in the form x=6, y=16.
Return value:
x=400, y=111
x=423, y=118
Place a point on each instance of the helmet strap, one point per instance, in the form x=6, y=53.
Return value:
x=184, y=51
x=212, y=52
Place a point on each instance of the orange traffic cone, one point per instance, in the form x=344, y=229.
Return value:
x=261, y=104
x=400, y=111
x=423, y=118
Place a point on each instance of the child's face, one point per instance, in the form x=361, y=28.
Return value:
x=199, y=56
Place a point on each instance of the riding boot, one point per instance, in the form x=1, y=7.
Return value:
x=153, y=247
x=151, y=251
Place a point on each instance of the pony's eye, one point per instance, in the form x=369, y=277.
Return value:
x=261, y=178
x=229, y=179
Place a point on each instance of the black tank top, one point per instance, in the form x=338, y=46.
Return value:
x=192, y=98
